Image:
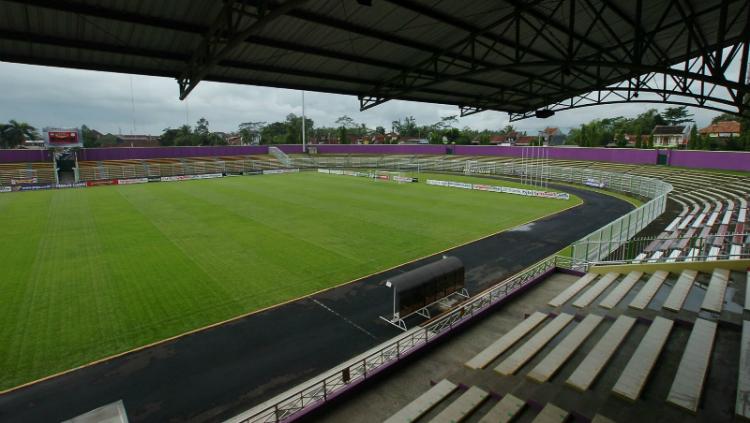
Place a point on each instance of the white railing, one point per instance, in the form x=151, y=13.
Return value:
x=331, y=383
x=280, y=155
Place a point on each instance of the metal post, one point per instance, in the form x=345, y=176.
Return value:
x=303, y=122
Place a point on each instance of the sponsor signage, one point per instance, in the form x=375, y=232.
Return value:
x=594, y=183
x=103, y=182
x=76, y=185
x=502, y=189
x=35, y=187
x=132, y=181
x=62, y=137
x=22, y=181
x=277, y=171
x=190, y=177
x=6, y=189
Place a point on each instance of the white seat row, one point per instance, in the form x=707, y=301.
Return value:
x=506, y=341
x=680, y=290
x=562, y=351
x=621, y=290
x=423, y=403
x=633, y=377
x=529, y=349
x=591, y=366
x=600, y=286
x=714, y=299
x=688, y=382
x=573, y=290
x=463, y=406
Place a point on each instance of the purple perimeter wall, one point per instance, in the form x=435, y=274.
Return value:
x=726, y=160
x=166, y=152
x=15, y=156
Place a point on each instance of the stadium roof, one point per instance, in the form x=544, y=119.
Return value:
x=509, y=55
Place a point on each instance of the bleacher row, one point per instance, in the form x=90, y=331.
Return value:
x=144, y=168
x=576, y=314
x=43, y=172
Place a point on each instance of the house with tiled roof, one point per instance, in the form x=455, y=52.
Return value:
x=553, y=136
x=671, y=136
x=722, y=129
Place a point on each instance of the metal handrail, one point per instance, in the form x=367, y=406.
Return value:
x=333, y=382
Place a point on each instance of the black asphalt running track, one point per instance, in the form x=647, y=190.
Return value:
x=216, y=373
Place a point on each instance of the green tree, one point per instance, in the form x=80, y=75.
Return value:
x=90, y=140
x=380, y=130
x=169, y=137
x=620, y=140
x=15, y=133
x=250, y=131
x=676, y=115
x=693, y=140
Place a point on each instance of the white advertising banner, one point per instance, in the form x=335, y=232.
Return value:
x=502, y=189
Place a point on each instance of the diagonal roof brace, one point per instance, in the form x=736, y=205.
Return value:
x=229, y=30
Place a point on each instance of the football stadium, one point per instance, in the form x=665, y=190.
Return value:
x=403, y=282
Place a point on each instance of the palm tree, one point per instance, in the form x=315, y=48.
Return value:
x=14, y=133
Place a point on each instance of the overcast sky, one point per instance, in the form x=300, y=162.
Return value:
x=44, y=96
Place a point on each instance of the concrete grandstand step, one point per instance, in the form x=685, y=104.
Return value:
x=680, y=290
x=714, y=299
x=742, y=404
x=423, y=403
x=562, y=351
x=528, y=350
x=600, y=286
x=551, y=414
x=573, y=290
x=688, y=383
x=506, y=341
x=505, y=410
x=644, y=296
x=621, y=290
x=636, y=372
x=464, y=405
x=591, y=366
x=601, y=419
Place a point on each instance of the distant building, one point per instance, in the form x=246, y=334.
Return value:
x=553, y=136
x=630, y=140
x=723, y=129
x=234, y=140
x=671, y=136
x=525, y=140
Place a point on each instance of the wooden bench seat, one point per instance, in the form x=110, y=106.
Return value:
x=680, y=290
x=646, y=294
x=573, y=290
x=714, y=299
x=464, y=405
x=528, y=350
x=423, y=403
x=506, y=341
x=688, y=383
x=600, y=286
x=505, y=410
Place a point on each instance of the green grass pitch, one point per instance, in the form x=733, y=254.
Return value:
x=88, y=273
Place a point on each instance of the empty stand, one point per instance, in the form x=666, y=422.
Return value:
x=680, y=290
x=562, y=351
x=591, y=366
x=688, y=383
x=506, y=341
x=505, y=410
x=742, y=405
x=621, y=290
x=527, y=351
x=634, y=376
x=551, y=414
x=646, y=294
x=424, y=403
x=714, y=299
x=573, y=290
x=459, y=409
x=600, y=286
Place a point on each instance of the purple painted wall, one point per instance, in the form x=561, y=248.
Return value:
x=166, y=152
x=15, y=156
x=725, y=160
x=615, y=155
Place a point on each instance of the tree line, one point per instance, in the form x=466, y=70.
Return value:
x=608, y=131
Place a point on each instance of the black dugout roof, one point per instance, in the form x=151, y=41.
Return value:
x=508, y=55
x=427, y=273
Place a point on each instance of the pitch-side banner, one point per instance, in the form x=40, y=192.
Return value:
x=6, y=189
x=277, y=171
x=502, y=189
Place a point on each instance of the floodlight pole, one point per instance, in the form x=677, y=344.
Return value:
x=303, y=122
